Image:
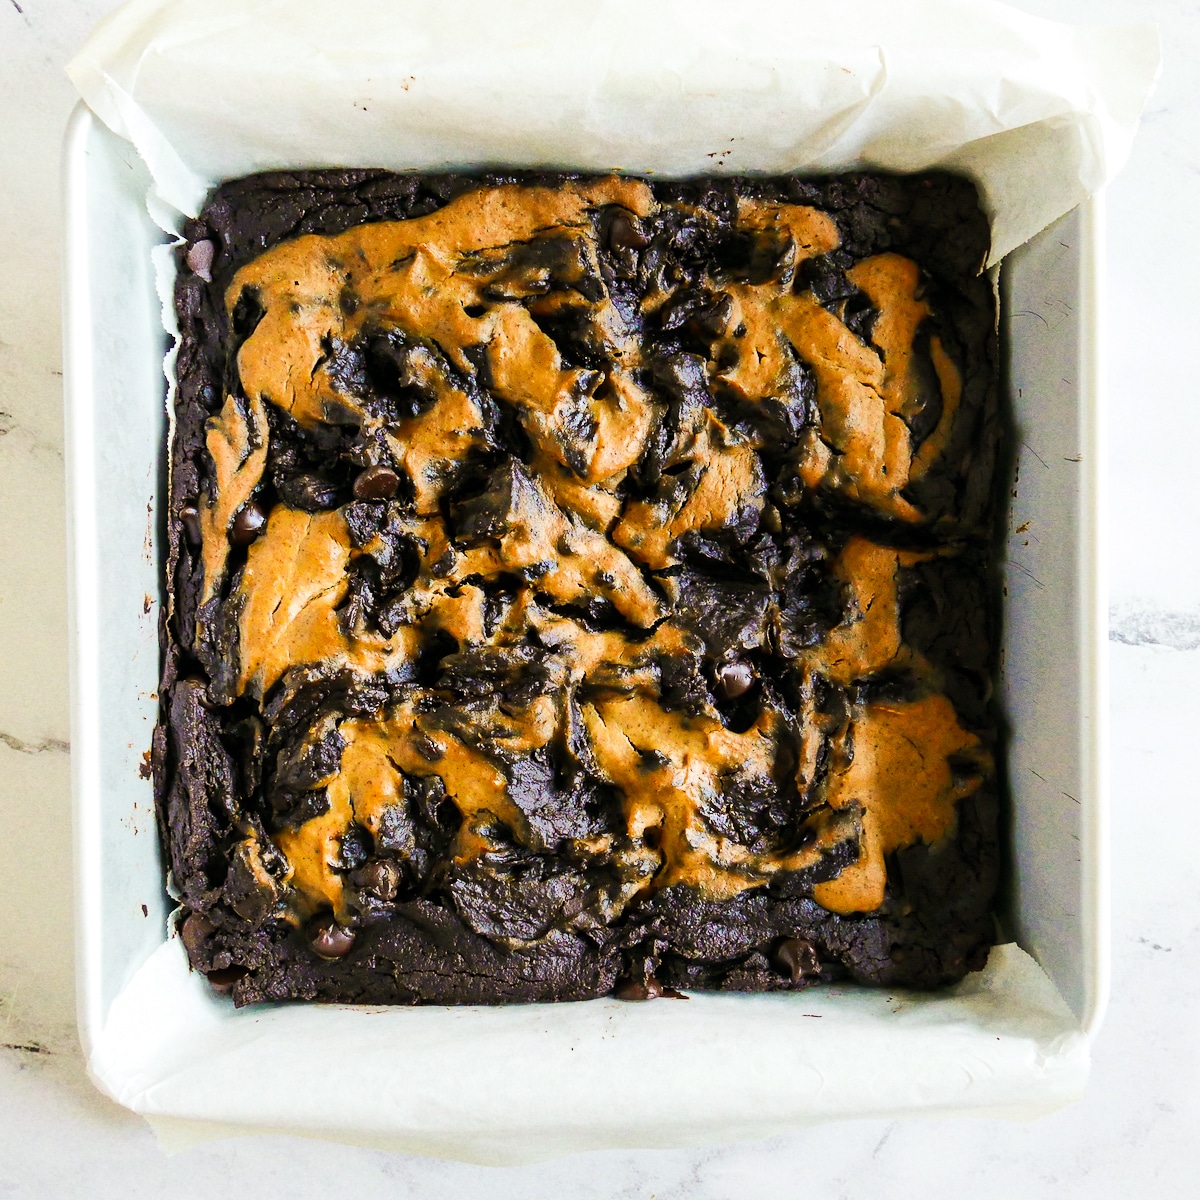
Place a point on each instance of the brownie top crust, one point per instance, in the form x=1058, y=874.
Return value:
x=568, y=558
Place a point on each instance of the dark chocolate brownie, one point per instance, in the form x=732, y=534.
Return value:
x=580, y=584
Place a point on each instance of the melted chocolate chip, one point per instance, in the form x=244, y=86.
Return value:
x=445, y=563
x=679, y=309
x=631, y=989
x=248, y=524
x=798, y=958
x=712, y=321
x=329, y=939
x=309, y=493
x=376, y=483
x=623, y=234
x=734, y=679
x=355, y=847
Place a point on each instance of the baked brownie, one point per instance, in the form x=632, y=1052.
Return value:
x=580, y=583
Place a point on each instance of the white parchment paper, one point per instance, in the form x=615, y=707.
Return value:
x=1041, y=115
x=527, y=1082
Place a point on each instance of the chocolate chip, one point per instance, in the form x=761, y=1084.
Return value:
x=623, y=234
x=223, y=979
x=376, y=483
x=734, y=679
x=195, y=932
x=630, y=989
x=200, y=258
x=248, y=524
x=329, y=939
x=383, y=878
x=189, y=514
x=797, y=957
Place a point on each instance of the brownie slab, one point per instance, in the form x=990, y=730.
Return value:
x=580, y=584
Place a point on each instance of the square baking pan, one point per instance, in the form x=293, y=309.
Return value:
x=523, y=1082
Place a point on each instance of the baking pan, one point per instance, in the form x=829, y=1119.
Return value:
x=524, y=1082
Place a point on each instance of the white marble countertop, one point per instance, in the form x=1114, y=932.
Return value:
x=1135, y=1129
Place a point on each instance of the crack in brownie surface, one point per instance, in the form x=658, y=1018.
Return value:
x=579, y=580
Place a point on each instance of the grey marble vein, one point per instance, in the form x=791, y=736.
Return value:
x=40, y=746
x=1155, y=627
